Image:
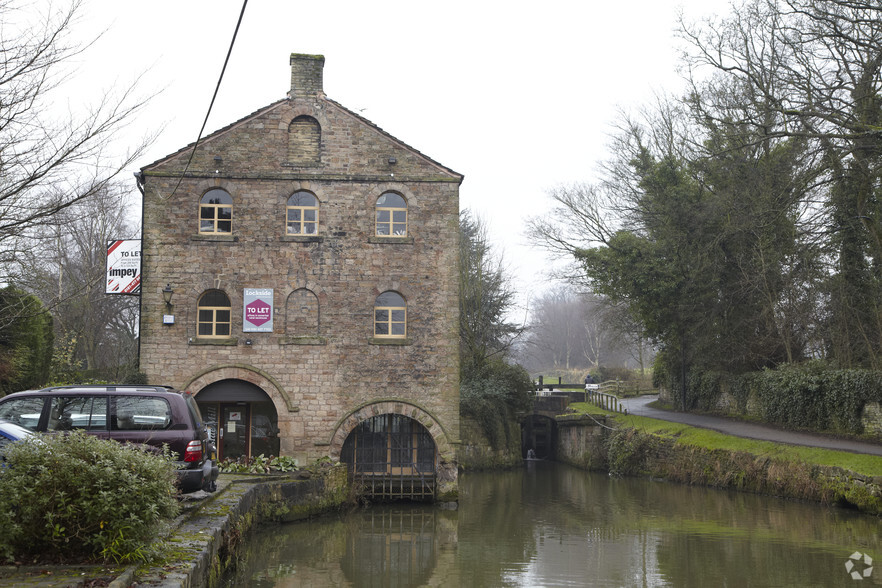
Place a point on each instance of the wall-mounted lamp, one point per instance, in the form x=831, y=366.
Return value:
x=392, y=161
x=167, y=293
x=217, y=163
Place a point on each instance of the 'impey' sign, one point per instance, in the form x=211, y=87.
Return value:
x=123, y=267
x=258, y=310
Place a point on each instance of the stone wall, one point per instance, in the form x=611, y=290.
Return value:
x=208, y=541
x=580, y=441
x=589, y=443
x=476, y=452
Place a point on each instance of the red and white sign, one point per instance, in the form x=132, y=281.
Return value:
x=123, y=267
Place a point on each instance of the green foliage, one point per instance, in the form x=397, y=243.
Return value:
x=65, y=369
x=260, y=464
x=73, y=497
x=493, y=394
x=814, y=397
x=133, y=377
x=626, y=451
x=25, y=341
x=804, y=396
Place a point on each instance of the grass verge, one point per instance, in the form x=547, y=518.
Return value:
x=867, y=465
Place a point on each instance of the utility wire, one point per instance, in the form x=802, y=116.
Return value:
x=216, y=88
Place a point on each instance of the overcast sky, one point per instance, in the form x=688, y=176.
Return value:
x=518, y=97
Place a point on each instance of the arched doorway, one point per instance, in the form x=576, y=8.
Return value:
x=391, y=456
x=243, y=418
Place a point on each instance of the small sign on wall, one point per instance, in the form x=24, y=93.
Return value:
x=258, y=310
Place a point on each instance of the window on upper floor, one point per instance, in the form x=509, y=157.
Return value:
x=304, y=141
x=302, y=214
x=391, y=215
x=214, y=315
x=216, y=213
x=390, y=315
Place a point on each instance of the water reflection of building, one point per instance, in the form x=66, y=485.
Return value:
x=392, y=548
x=299, y=276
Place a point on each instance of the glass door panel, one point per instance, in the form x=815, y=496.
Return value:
x=233, y=431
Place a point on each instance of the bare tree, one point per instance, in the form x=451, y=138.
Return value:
x=486, y=297
x=68, y=275
x=569, y=330
x=50, y=159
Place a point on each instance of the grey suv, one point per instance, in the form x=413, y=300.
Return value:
x=145, y=415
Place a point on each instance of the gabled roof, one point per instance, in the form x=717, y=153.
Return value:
x=283, y=101
x=218, y=132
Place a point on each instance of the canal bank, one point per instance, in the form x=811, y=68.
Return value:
x=206, y=539
x=600, y=442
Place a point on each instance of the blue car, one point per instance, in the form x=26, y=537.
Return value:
x=10, y=432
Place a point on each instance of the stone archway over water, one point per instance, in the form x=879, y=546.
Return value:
x=445, y=459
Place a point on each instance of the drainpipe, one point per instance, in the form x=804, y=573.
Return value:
x=140, y=181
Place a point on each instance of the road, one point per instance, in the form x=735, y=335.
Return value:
x=640, y=406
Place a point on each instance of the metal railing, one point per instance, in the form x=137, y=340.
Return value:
x=605, y=395
x=605, y=401
x=386, y=485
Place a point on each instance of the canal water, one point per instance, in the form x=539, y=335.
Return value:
x=553, y=525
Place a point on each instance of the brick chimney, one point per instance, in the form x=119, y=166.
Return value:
x=306, y=75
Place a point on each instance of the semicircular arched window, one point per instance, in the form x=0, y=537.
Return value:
x=213, y=315
x=391, y=215
x=390, y=315
x=302, y=214
x=216, y=213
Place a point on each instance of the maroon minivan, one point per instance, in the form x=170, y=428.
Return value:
x=145, y=415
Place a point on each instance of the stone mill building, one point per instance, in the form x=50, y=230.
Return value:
x=300, y=278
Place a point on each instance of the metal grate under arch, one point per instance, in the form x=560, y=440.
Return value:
x=391, y=457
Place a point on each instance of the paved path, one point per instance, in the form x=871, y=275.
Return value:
x=640, y=406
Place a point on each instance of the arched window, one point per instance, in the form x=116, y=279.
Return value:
x=390, y=315
x=214, y=313
x=302, y=313
x=304, y=141
x=391, y=215
x=216, y=213
x=302, y=214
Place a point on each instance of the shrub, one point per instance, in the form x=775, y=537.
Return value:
x=79, y=498
x=804, y=396
x=493, y=394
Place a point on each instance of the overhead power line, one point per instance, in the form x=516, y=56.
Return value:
x=213, y=97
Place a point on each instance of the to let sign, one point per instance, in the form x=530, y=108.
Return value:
x=123, y=267
x=258, y=310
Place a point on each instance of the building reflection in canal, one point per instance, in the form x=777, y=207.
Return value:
x=552, y=525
